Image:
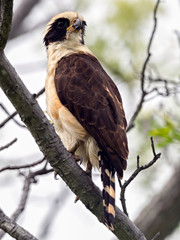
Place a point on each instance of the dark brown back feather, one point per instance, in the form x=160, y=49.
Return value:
x=92, y=97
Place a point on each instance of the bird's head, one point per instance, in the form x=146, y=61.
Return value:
x=65, y=26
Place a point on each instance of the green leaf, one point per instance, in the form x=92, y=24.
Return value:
x=162, y=132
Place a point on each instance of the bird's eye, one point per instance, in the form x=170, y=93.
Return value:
x=60, y=24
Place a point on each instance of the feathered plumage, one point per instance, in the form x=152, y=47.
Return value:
x=84, y=104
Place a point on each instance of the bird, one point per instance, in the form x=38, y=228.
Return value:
x=85, y=105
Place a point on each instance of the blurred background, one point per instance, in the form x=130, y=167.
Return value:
x=118, y=32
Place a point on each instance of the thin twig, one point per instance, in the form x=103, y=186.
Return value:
x=39, y=93
x=8, y=145
x=22, y=166
x=29, y=179
x=8, y=119
x=122, y=197
x=152, y=145
x=144, y=67
x=25, y=192
x=54, y=208
x=11, y=116
x=135, y=173
x=164, y=88
x=138, y=108
x=42, y=171
x=138, y=158
x=156, y=236
x=149, y=46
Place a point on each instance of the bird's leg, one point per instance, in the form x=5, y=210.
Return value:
x=75, y=147
x=73, y=150
x=89, y=169
x=89, y=173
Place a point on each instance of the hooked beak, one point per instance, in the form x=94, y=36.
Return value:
x=76, y=25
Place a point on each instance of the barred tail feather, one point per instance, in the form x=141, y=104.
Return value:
x=108, y=180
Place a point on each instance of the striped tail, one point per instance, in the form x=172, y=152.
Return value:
x=108, y=180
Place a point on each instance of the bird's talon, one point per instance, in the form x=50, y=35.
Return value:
x=76, y=199
x=55, y=175
x=81, y=160
x=78, y=158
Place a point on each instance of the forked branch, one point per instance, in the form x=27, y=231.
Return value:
x=135, y=173
x=144, y=92
x=29, y=179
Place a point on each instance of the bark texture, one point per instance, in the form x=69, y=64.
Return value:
x=13, y=229
x=5, y=21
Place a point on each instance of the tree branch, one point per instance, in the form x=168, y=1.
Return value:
x=29, y=179
x=8, y=119
x=134, y=174
x=22, y=166
x=143, y=71
x=13, y=229
x=156, y=236
x=8, y=145
x=5, y=21
x=25, y=192
x=149, y=47
x=11, y=116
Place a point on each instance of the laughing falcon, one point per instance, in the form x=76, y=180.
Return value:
x=85, y=105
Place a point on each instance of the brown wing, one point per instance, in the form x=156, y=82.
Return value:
x=92, y=97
